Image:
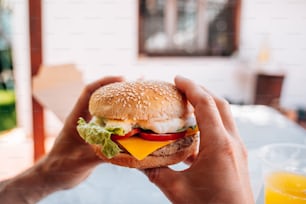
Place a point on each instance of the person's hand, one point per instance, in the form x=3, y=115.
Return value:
x=67, y=164
x=71, y=159
x=219, y=173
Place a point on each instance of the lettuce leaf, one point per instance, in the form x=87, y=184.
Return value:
x=94, y=133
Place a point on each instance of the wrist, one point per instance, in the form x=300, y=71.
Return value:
x=63, y=171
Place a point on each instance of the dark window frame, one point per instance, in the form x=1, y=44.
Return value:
x=236, y=6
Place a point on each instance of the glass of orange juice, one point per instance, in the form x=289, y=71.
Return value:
x=284, y=170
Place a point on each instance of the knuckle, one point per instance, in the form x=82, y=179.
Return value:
x=228, y=147
x=206, y=100
x=223, y=102
x=233, y=148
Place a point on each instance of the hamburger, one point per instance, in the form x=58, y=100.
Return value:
x=140, y=124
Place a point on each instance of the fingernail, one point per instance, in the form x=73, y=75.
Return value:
x=181, y=78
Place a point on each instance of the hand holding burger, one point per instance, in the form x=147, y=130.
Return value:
x=140, y=124
x=219, y=173
x=69, y=162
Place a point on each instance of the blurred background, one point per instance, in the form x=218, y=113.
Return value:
x=250, y=52
x=7, y=95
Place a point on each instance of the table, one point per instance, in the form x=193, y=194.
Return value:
x=258, y=126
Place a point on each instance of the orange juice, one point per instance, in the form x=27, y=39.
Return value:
x=285, y=188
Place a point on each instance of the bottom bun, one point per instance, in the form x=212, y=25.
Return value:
x=151, y=161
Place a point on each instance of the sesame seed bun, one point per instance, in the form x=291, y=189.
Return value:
x=139, y=100
x=142, y=101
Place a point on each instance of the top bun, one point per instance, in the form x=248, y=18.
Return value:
x=138, y=100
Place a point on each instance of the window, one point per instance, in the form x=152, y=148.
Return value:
x=188, y=27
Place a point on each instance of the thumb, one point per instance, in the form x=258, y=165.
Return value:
x=166, y=179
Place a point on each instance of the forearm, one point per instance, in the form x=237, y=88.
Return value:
x=28, y=187
x=63, y=168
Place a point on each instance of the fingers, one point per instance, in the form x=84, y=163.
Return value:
x=222, y=106
x=226, y=115
x=224, y=111
x=206, y=111
x=167, y=180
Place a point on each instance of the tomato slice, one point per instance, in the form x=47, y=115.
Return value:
x=162, y=136
x=129, y=134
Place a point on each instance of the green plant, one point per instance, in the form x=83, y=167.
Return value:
x=7, y=109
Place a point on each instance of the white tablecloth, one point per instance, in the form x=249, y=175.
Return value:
x=258, y=126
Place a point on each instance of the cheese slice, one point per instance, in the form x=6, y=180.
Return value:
x=141, y=148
